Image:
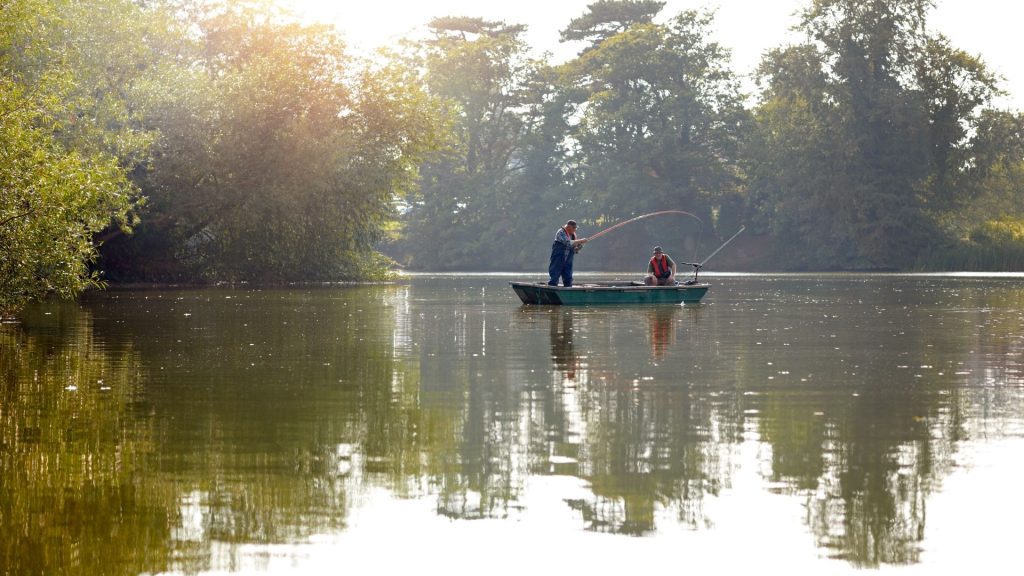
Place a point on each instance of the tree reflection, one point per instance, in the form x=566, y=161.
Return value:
x=868, y=454
x=271, y=408
x=72, y=450
x=642, y=447
x=266, y=417
x=652, y=449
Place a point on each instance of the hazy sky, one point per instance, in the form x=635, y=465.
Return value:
x=747, y=27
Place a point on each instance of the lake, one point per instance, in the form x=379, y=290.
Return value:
x=789, y=423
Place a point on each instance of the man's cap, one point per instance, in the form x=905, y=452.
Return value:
x=570, y=223
x=658, y=249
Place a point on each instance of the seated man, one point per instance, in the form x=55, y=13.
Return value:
x=661, y=271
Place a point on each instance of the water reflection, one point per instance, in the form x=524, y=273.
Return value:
x=865, y=421
x=643, y=444
x=662, y=322
x=73, y=443
x=563, y=351
x=272, y=417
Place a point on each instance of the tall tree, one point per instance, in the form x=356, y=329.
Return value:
x=862, y=134
x=482, y=70
x=995, y=168
x=656, y=121
x=790, y=190
x=606, y=18
x=955, y=86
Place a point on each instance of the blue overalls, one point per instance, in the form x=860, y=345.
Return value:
x=561, y=258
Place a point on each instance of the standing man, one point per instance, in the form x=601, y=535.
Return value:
x=562, y=250
x=661, y=270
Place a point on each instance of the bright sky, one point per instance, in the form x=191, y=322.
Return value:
x=748, y=27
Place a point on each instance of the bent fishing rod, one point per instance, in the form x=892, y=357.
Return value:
x=631, y=220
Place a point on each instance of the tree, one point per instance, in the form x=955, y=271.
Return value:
x=987, y=227
x=955, y=85
x=481, y=69
x=53, y=201
x=69, y=136
x=656, y=121
x=995, y=169
x=280, y=157
x=606, y=18
x=863, y=134
x=792, y=143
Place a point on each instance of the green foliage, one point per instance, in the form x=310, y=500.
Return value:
x=265, y=152
x=53, y=201
x=279, y=157
x=648, y=117
x=994, y=245
x=788, y=188
x=657, y=122
x=469, y=204
x=1005, y=231
x=606, y=18
x=955, y=85
x=994, y=180
x=862, y=147
x=67, y=138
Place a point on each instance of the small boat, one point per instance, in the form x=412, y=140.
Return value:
x=621, y=292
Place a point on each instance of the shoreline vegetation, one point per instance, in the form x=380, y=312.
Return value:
x=212, y=141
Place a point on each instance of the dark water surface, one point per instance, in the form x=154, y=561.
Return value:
x=790, y=424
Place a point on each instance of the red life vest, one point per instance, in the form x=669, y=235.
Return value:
x=661, y=269
x=556, y=244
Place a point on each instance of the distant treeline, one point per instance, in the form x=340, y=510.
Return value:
x=194, y=140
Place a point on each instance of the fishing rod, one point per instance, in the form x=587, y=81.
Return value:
x=698, y=265
x=631, y=220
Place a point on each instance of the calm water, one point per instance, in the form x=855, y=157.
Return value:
x=794, y=424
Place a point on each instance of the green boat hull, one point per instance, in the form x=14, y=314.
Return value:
x=608, y=293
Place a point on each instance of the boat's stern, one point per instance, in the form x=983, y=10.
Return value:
x=527, y=295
